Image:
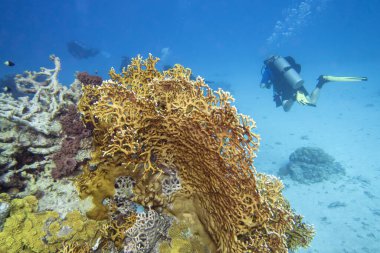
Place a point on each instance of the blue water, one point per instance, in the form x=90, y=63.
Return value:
x=226, y=42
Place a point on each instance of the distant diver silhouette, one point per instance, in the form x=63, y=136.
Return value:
x=283, y=74
x=81, y=51
x=125, y=61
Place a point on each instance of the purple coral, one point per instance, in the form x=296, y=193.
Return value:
x=64, y=166
x=74, y=131
x=87, y=79
x=70, y=145
x=72, y=123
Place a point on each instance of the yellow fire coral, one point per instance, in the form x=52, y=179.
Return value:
x=147, y=123
x=114, y=231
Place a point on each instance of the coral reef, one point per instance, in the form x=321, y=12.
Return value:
x=29, y=231
x=49, y=97
x=311, y=165
x=149, y=125
x=114, y=232
x=35, y=129
x=171, y=185
x=86, y=78
x=73, y=131
x=4, y=209
x=4, y=212
x=30, y=129
x=182, y=240
x=147, y=230
x=122, y=215
x=75, y=247
x=59, y=196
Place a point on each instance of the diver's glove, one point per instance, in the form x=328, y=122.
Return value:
x=301, y=98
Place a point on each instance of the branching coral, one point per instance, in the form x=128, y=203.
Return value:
x=122, y=215
x=147, y=123
x=75, y=247
x=115, y=231
x=49, y=96
x=30, y=127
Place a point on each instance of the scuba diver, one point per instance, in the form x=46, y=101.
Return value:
x=80, y=51
x=283, y=74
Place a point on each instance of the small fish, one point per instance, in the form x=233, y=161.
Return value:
x=9, y=63
x=7, y=89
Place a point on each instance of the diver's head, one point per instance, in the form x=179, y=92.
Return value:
x=270, y=59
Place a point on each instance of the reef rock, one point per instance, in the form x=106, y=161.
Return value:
x=311, y=165
x=4, y=212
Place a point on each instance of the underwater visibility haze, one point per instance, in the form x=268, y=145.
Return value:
x=189, y=126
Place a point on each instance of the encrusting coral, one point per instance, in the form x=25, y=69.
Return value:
x=73, y=132
x=27, y=230
x=149, y=125
x=182, y=240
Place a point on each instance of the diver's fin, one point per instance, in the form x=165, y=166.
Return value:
x=342, y=78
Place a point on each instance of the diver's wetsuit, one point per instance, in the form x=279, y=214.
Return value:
x=282, y=91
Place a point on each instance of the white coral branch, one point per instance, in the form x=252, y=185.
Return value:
x=49, y=97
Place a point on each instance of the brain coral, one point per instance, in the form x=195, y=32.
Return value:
x=148, y=122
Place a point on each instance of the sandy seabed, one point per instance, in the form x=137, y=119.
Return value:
x=346, y=124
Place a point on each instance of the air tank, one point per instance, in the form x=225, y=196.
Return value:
x=290, y=75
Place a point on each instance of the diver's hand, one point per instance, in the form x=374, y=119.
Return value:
x=264, y=85
x=301, y=98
